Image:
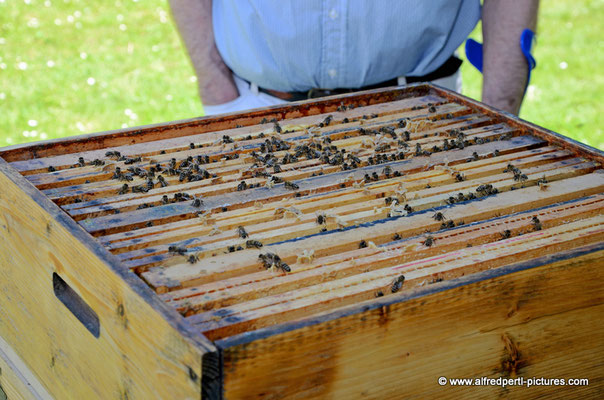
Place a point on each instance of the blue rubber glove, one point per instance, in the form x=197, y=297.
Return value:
x=527, y=37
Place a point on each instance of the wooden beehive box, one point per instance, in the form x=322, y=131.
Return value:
x=356, y=246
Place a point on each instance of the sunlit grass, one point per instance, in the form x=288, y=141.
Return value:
x=565, y=94
x=72, y=66
x=90, y=66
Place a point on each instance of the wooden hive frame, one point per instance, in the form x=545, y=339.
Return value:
x=493, y=278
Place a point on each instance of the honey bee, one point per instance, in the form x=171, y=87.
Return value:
x=382, y=147
x=281, y=265
x=197, y=202
x=115, y=154
x=241, y=232
x=267, y=260
x=536, y=223
x=139, y=189
x=191, y=146
x=542, y=182
x=177, y=250
x=397, y=283
x=326, y=121
x=123, y=189
x=354, y=159
x=510, y=168
x=506, y=234
x=253, y=244
x=459, y=177
x=193, y=258
x=291, y=185
x=242, y=186
x=447, y=225
x=379, y=293
x=164, y=199
x=432, y=109
x=132, y=160
x=277, y=127
x=162, y=181
x=362, y=244
x=429, y=241
x=51, y=169
x=439, y=216
x=270, y=260
x=321, y=218
x=387, y=171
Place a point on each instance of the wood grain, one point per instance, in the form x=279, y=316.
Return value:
x=69, y=361
x=18, y=382
x=112, y=291
x=327, y=243
x=540, y=318
x=258, y=284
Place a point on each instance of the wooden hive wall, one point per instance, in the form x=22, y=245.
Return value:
x=389, y=193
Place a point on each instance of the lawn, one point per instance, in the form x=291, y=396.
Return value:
x=71, y=66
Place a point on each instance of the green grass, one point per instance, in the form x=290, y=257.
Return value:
x=565, y=93
x=119, y=63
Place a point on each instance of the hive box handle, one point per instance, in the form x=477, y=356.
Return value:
x=76, y=305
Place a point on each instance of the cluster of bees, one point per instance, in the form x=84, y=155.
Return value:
x=272, y=260
x=481, y=191
x=241, y=232
x=191, y=169
x=518, y=175
x=535, y=222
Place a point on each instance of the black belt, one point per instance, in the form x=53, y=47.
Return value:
x=447, y=69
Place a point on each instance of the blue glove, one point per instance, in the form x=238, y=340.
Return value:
x=527, y=37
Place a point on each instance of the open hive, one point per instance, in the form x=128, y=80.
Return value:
x=269, y=231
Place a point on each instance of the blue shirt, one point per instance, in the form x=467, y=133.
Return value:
x=299, y=45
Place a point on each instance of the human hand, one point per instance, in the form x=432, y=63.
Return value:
x=217, y=87
x=246, y=99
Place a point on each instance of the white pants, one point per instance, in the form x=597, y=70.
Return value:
x=250, y=97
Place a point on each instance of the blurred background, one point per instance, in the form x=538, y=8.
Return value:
x=70, y=67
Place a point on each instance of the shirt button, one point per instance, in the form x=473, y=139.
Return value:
x=332, y=73
x=333, y=14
